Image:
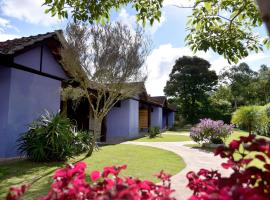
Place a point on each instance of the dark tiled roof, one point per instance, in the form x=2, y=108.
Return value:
x=159, y=99
x=10, y=47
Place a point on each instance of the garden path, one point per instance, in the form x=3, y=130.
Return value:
x=195, y=159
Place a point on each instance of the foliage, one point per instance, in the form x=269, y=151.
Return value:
x=100, y=11
x=49, y=138
x=52, y=137
x=70, y=183
x=83, y=141
x=190, y=83
x=104, y=60
x=264, y=129
x=239, y=78
x=210, y=131
x=245, y=182
x=225, y=26
x=154, y=131
x=250, y=117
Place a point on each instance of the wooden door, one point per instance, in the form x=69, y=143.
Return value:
x=143, y=118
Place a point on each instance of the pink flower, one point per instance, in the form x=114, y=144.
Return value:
x=95, y=175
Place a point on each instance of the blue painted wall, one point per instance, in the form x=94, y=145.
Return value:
x=123, y=121
x=156, y=117
x=50, y=65
x=25, y=95
x=171, y=119
x=30, y=58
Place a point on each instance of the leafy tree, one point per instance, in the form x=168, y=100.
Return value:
x=221, y=104
x=263, y=84
x=225, y=26
x=190, y=83
x=90, y=11
x=238, y=78
x=105, y=60
x=250, y=117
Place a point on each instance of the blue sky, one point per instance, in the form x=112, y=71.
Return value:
x=26, y=17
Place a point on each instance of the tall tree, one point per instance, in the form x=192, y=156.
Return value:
x=262, y=85
x=239, y=78
x=104, y=60
x=190, y=83
x=225, y=26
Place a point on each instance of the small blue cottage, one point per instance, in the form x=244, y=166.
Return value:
x=30, y=82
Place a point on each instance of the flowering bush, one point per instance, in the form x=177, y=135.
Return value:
x=70, y=183
x=246, y=181
x=210, y=131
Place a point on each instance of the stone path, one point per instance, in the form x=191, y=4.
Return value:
x=195, y=159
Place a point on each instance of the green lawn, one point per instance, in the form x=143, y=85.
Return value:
x=143, y=162
x=165, y=138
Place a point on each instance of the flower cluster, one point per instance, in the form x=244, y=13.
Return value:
x=70, y=183
x=209, y=130
x=246, y=181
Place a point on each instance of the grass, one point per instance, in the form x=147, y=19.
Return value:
x=168, y=136
x=165, y=138
x=143, y=162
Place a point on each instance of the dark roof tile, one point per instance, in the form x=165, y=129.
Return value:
x=10, y=47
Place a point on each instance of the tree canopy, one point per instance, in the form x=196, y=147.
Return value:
x=190, y=83
x=225, y=26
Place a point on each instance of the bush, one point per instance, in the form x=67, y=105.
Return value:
x=264, y=129
x=154, y=131
x=83, y=141
x=210, y=131
x=70, y=183
x=52, y=137
x=250, y=118
x=247, y=181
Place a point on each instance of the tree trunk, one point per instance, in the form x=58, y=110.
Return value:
x=96, y=135
x=64, y=108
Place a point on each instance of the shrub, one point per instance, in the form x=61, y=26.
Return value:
x=264, y=129
x=210, y=131
x=250, y=117
x=154, y=131
x=52, y=137
x=246, y=181
x=83, y=141
x=70, y=183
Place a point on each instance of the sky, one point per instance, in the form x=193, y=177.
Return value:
x=20, y=18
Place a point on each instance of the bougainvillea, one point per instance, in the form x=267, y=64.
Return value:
x=210, y=131
x=247, y=181
x=70, y=183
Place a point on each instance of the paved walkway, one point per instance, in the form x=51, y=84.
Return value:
x=195, y=159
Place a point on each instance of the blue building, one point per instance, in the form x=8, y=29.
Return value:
x=31, y=78
x=30, y=82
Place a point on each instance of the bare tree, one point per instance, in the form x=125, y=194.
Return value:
x=105, y=60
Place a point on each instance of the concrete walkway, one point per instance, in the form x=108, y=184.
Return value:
x=195, y=159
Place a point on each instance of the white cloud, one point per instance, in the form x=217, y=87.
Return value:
x=30, y=11
x=160, y=63
x=5, y=24
x=130, y=20
x=162, y=59
x=4, y=37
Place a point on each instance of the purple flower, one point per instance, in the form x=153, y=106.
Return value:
x=208, y=129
